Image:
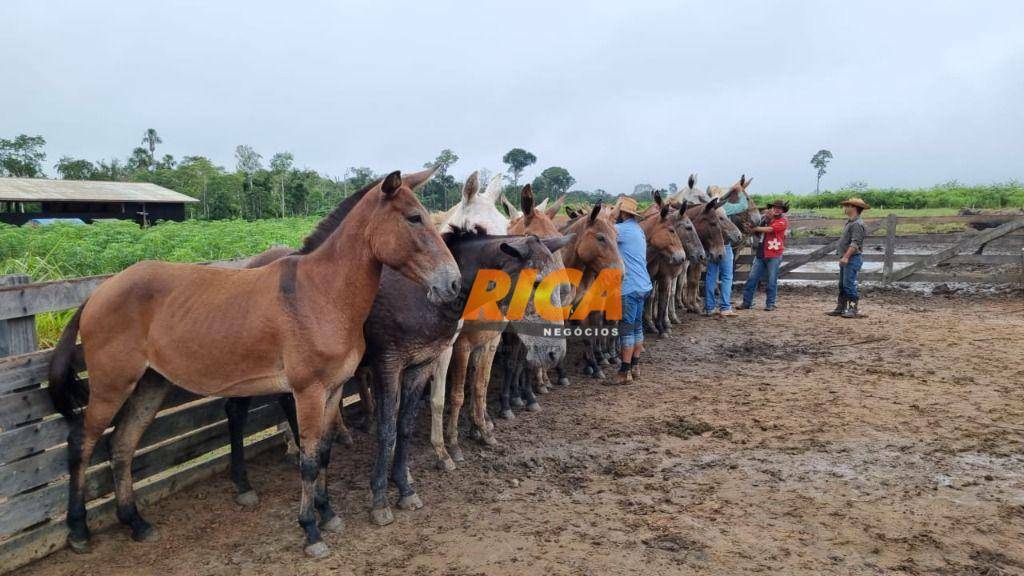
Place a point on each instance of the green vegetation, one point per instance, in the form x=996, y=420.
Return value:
x=949, y=195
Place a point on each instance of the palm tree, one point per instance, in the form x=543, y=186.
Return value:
x=150, y=138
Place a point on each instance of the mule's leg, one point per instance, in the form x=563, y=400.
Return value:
x=107, y=392
x=413, y=382
x=508, y=380
x=457, y=370
x=136, y=415
x=329, y=521
x=480, y=377
x=526, y=386
x=341, y=434
x=672, y=287
x=649, y=325
x=287, y=404
x=365, y=376
x=540, y=380
x=563, y=374
x=590, y=349
x=386, y=387
x=664, y=328
x=437, y=391
x=237, y=410
x=311, y=408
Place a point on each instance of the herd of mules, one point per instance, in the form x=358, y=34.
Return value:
x=375, y=293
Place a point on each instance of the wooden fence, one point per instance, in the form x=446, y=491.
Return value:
x=1007, y=238
x=185, y=444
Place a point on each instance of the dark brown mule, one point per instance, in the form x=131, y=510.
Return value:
x=695, y=256
x=665, y=258
x=593, y=249
x=295, y=325
x=517, y=390
x=708, y=224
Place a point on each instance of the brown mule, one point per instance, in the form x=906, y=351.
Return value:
x=295, y=325
x=665, y=259
x=708, y=224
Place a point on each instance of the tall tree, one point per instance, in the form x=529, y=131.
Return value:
x=75, y=168
x=517, y=160
x=150, y=139
x=820, y=162
x=22, y=157
x=442, y=183
x=280, y=164
x=248, y=162
x=140, y=159
x=552, y=182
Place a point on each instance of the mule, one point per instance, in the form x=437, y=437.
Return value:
x=708, y=224
x=665, y=259
x=300, y=330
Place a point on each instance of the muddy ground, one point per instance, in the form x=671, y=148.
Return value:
x=768, y=443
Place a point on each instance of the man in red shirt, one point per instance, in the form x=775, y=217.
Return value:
x=768, y=257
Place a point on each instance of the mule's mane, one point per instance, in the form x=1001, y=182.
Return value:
x=332, y=221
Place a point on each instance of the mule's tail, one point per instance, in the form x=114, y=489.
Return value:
x=67, y=391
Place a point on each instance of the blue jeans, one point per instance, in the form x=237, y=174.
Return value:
x=719, y=271
x=631, y=327
x=761, y=267
x=848, y=276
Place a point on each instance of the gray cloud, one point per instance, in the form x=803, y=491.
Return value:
x=904, y=94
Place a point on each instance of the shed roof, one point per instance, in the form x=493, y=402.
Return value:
x=43, y=190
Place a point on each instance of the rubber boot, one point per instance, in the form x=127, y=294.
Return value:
x=840, y=306
x=851, y=310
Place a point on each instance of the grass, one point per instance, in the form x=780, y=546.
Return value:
x=837, y=212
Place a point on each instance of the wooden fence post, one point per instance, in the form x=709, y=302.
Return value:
x=890, y=247
x=17, y=335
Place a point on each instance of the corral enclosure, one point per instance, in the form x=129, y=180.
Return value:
x=192, y=431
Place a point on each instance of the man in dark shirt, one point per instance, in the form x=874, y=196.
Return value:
x=851, y=245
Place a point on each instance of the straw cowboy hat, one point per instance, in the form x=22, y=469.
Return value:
x=856, y=202
x=627, y=205
x=780, y=204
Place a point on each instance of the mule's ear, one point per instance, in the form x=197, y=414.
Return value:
x=516, y=250
x=392, y=182
x=493, y=190
x=683, y=207
x=543, y=205
x=595, y=212
x=552, y=210
x=711, y=205
x=746, y=183
x=512, y=212
x=657, y=199
x=692, y=180
x=526, y=201
x=664, y=211
x=556, y=244
x=417, y=179
x=571, y=212
x=471, y=187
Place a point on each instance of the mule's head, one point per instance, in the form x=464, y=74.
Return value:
x=478, y=210
x=533, y=219
x=660, y=231
x=749, y=218
x=688, y=236
x=708, y=224
x=402, y=237
x=595, y=245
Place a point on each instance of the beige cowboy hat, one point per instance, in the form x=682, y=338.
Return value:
x=855, y=202
x=780, y=204
x=627, y=205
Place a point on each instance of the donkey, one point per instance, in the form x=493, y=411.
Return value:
x=695, y=256
x=301, y=331
x=516, y=389
x=665, y=258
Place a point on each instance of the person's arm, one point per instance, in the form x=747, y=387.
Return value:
x=857, y=234
x=779, y=225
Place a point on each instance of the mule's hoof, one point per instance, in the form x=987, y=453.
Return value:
x=146, y=534
x=317, y=550
x=335, y=525
x=614, y=360
x=488, y=440
x=516, y=401
x=534, y=407
x=410, y=502
x=247, y=499
x=599, y=375
x=588, y=370
x=507, y=415
x=79, y=546
x=603, y=361
x=345, y=439
x=456, y=454
x=446, y=464
x=563, y=381
x=542, y=390
x=382, y=516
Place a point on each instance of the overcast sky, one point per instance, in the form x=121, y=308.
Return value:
x=903, y=93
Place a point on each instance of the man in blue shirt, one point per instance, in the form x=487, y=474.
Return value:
x=636, y=285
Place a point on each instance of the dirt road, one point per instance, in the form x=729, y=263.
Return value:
x=760, y=444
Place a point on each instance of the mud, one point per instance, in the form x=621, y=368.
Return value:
x=770, y=443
